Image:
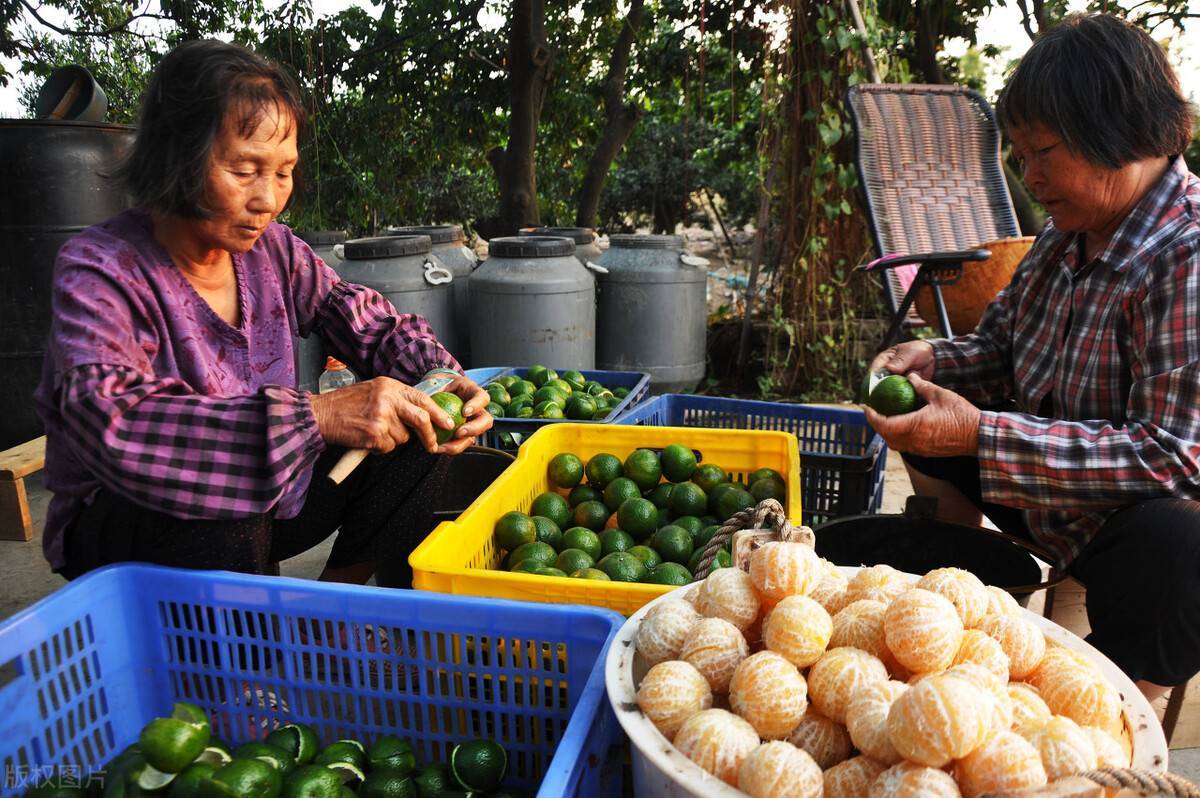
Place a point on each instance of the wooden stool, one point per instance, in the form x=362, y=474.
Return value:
x=16, y=464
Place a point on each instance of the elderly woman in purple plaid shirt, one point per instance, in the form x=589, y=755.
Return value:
x=1089, y=361
x=175, y=432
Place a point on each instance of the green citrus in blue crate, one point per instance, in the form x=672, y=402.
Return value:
x=478, y=765
x=581, y=407
x=561, y=385
x=574, y=378
x=539, y=375
x=312, y=781
x=276, y=757
x=298, y=739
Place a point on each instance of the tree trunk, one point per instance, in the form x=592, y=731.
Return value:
x=528, y=65
x=927, y=45
x=620, y=119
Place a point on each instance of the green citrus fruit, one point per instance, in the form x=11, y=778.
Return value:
x=549, y=570
x=521, y=387
x=660, y=495
x=498, y=393
x=351, y=751
x=562, y=385
x=893, y=396
x=705, y=535
x=187, y=783
x=244, y=778
x=537, y=551
x=621, y=566
x=688, y=499
x=584, y=539
x=552, y=506
x=647, y=555
x=539, y=374
x=387, y=785
x=584, y=493
x=525, y=566
x=574, y=379
x=603, y=469
x=275, y=757
x=453, y=406
x=392, y=754
x=621, y=393
x=721, y=558
x=547, y=410
x=478, y=765
x=592, y=515
x=170, y=744
x=590, y=573
x=620, y=489
x=768, y=488
x=549, y=394
x=312, y=781
x=581, y=407
x=513, y=530
x=732, y=502
x=494, y=410
x=615, y=540
x=518, y=404
x=674, y=543
x=678, y=463
x=638, y=517
x=547, y=531
x=691, y=523
x=643, y=468
x=565, y=470
x=432, y=781
x=668, y=573
x=765, y=473
x=571, y=560
x=708, y=476
x=297, y=739
x=507, y=380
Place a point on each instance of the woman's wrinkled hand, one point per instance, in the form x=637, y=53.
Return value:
x=378, y=415
x=910, y=356
x=947, y=426
x=478, y=420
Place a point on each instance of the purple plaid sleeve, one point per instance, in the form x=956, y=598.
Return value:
x=162, y=445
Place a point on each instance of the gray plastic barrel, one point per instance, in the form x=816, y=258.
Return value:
x=586, y=247
x=405, y=271
x=533, y=302
x=450, y=247
x=57, y=180
x=310, y=351
x=651, y=311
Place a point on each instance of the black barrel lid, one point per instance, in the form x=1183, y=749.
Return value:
x=438, y=233
x=532, y=246
x=580, y=235
x=321, y=238
x=624, y=241
x=387, y=247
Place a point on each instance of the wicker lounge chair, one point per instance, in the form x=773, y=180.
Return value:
x=928, y=161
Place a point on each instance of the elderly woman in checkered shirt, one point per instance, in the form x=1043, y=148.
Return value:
x=175, y=431
x=1071, y=415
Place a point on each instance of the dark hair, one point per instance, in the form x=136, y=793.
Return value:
x=1103, y=85
x=193, y=89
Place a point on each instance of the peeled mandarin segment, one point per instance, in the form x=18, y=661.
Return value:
x=909, y=780
x=866, y=720
x=830, y=590
x=1065, y=748
x=828, y=743
x=670, y=693
x=860, y=625
x=1029, y=710
x=1109, y=752
x=878, y=583
x=714, y=647
x=1073, y=686
x=939, y=719
x=664, y=629
x=981, y=649
x=1001, y=602
x=717, y=741
x=769, y=692
x=994, y=690
x=779, y=570
x=1023, y=642
x=1005, y=762
x=836, y=677
x=962, y=588
x=922, y=630
x=780, y=770
x=852, y=778
x=799, y=629
x=729, y=594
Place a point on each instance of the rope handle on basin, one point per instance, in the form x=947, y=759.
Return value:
x=768, y=515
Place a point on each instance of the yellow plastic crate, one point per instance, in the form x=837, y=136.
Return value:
x=460, y=556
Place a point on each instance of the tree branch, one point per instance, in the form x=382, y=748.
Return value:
x=1021, y=4
x=119, y=27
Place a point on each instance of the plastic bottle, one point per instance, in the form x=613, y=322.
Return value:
x=335, y=376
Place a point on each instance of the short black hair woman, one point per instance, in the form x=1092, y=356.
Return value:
x=175, y=431
x=1071, y=415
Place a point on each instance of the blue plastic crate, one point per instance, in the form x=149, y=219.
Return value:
x=85, y=668
x=637, y=382
x=842, y=459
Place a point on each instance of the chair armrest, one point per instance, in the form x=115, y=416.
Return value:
x=933, y=258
